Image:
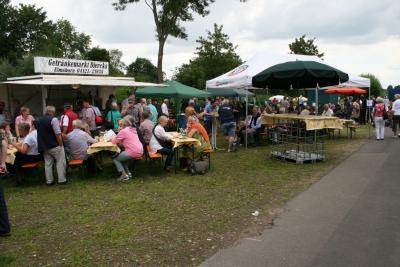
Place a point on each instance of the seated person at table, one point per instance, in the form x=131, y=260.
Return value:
x=128, y=138
x=6, y=128
x=3, y=152
x=28, y=149
x=146, y=127
x=327, y=111
x=78, y=142
x=252, y=127
x=160, y=142
x=197, y=131
x=305, y=111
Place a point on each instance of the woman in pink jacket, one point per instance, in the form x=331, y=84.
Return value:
x=129, y=139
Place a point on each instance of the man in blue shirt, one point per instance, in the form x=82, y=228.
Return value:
x=207, y=116
x=228, y=124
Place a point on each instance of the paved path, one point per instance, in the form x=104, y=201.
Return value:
x=349, y=218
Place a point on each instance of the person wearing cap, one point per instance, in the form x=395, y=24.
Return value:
x=396, y=114
x=68, y=117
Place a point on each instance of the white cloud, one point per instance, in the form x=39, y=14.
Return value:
x=357, y=36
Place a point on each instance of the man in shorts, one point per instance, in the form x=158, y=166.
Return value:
x=228, y=124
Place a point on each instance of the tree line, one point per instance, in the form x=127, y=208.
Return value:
x=25, y=31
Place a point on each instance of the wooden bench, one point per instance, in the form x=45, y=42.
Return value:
x=76, y=163
x=27, y=167
x=153, y=156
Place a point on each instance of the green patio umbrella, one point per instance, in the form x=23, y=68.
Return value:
x=175, y=90
x=299, y=74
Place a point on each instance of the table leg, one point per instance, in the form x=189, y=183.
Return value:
x=176, y=151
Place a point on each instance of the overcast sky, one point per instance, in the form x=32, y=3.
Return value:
x=357, y=36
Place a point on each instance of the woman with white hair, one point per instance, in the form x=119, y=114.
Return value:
x=160, y=142
x=378, y=114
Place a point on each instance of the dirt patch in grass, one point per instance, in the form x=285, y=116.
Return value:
x=156, y=219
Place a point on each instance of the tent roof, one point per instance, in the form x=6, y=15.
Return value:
x=77, y=80
x=229, y=92
x=172, y=89
x=241, y=77
x=356, y=81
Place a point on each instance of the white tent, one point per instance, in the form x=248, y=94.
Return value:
x=241, y=77
x=356, y=81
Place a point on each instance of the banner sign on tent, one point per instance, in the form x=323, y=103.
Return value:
x=70, y=66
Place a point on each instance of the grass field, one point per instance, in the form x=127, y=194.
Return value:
x=155, y=219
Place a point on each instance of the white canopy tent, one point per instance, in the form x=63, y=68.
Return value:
x=241, y=77
x=356, y=81
x=35, y=90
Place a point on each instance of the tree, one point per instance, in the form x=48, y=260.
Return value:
x=23, y=28
x=113, y=57
x=168, y=16
x=215, y=56
x=303, y=46
x=64, y=41
x=117, y=66
x=142, y=70
x=376, y=86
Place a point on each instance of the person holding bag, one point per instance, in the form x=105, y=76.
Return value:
x=112, y=117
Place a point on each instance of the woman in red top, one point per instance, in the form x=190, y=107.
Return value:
x=378, y=113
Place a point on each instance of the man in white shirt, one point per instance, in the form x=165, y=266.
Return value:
x=327, y=111
x=164, y=108
x=158, y=142
x=396, y=114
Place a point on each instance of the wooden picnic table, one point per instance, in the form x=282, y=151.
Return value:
x=103, y=146
x=182, y=141
x=312, y=122
x=10, y=158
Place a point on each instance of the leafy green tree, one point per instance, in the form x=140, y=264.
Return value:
x=113, y=57
x=376, y=86
x=142, y=70
x=215, y=56
x=168, y=16
x=65, y=41
x=23, y=29
x=303, y=46
x=21, y=67
x=117, y=66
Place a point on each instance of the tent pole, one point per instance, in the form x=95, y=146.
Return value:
x=316, y=99
x=44, y=96
x=247, y=111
